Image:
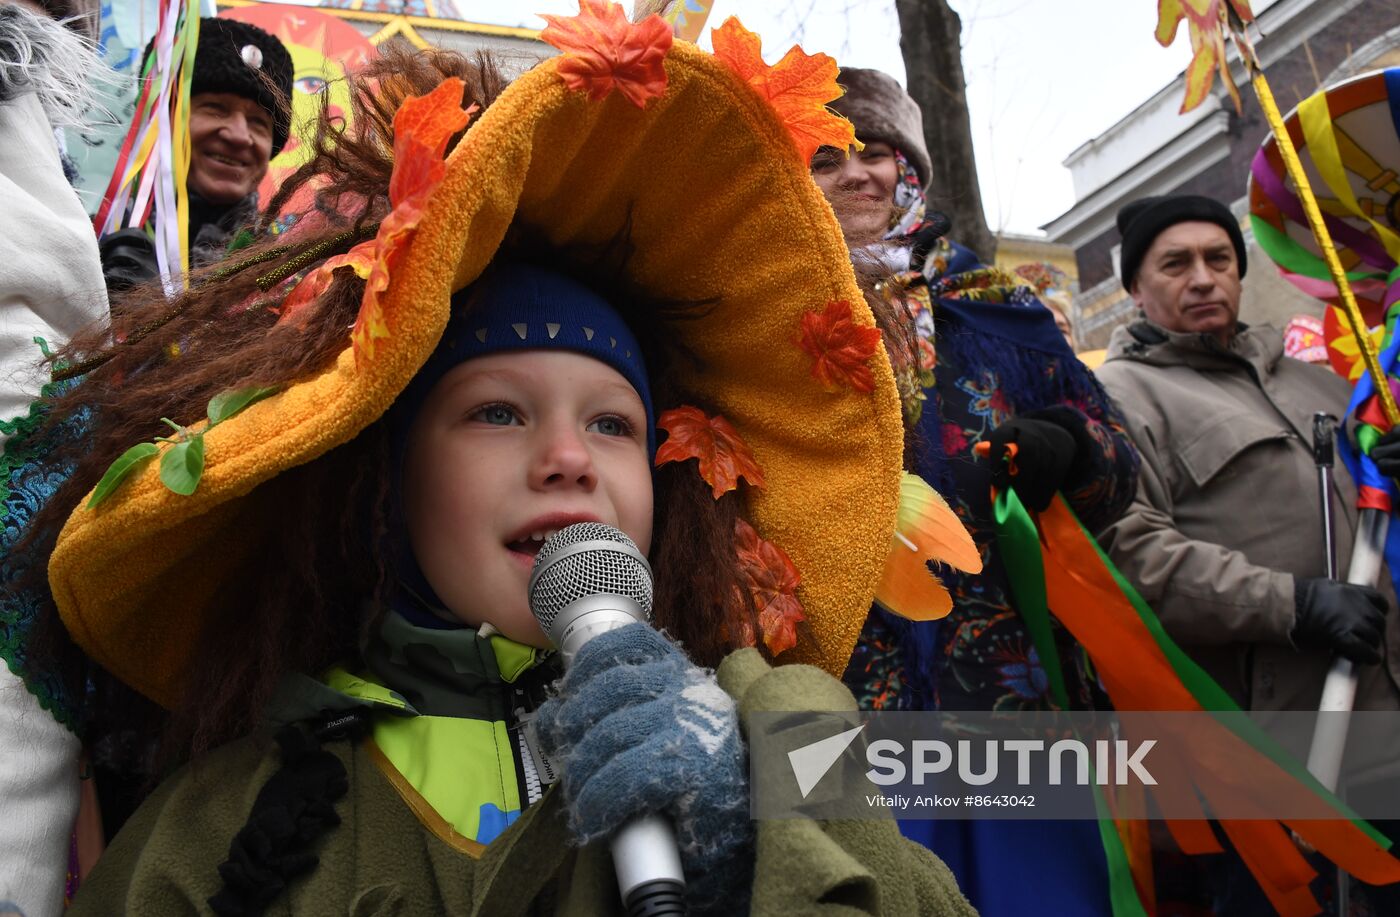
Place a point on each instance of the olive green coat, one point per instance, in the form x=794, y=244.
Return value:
x=382, y=860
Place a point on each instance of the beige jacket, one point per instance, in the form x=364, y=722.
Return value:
x=1227, y=508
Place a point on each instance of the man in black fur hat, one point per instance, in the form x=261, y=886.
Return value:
x=239, y=120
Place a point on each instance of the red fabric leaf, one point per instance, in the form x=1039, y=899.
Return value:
x=423, y=125
x=603, y=51
x=773, y=582
x=310, y=288
x=723, y=455
x=840, y=349
x=798, y=87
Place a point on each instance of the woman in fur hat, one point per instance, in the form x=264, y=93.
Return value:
x=321, y=573
x=988, y=366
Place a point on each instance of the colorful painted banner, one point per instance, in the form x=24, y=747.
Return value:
x=1303, y=339
x=687, y=18
x=324, y=50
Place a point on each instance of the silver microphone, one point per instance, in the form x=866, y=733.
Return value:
x=589, y=578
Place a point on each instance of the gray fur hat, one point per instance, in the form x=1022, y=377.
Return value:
x=881, y=110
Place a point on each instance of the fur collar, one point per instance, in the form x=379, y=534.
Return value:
x=41, y=56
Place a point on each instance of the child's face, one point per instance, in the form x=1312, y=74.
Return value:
x=508, y=449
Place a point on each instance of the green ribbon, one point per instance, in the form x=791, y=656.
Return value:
x=1020, y=550
x=1293, y=257
x=1019, y=541
x=1216, y=700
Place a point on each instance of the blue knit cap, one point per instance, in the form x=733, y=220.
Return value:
x=526, y=307
x=510, y=307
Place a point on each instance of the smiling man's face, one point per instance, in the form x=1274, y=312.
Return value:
x=230, y=144
x=1190, y=281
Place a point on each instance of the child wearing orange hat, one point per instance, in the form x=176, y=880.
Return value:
x=323, y=571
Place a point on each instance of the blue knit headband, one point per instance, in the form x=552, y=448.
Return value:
x=525, y=307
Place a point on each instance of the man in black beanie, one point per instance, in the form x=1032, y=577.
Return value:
x=239, y=119
x=1183, y=258
x=1224, y=538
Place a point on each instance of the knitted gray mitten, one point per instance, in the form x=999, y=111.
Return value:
x=638, y=728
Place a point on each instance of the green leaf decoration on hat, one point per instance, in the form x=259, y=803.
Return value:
x=225, y=405
x=126, y=463
x=182, y=465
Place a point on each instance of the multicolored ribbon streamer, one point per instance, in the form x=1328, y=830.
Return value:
x=1374, y=246
x=1142, y=669
x=151, y=171
x=1366, y=422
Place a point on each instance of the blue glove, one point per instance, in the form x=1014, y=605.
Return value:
x=638, y=728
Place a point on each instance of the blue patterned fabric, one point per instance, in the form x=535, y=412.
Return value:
x=992, y=353
x=1058, y=866
x=26, y=485
x=989, y=352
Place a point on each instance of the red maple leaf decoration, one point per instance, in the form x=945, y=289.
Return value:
x=840, y=349
x=798, y=87
x=423, y=125
x=773, y=582
x=723, y=455
x=603, y=51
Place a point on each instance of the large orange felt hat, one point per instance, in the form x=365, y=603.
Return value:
x=710, y=178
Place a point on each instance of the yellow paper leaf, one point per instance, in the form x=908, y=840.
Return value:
x=1207, y=21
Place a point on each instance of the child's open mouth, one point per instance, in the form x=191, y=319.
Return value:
x=531, y=544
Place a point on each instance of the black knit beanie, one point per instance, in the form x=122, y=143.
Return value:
x=244, y=60
x=1143, y=220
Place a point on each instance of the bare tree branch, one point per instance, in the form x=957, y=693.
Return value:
x=931, y=43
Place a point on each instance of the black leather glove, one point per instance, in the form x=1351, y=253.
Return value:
x=1338, y=616
x=1045, y=454
x=1386, y=454
x=128, y=258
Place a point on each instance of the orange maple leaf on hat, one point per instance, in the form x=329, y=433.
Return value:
x=723, y=455
x=423, y=125
x=604, y=51
x=773, y=582
x=798, y=87
x=840, y=349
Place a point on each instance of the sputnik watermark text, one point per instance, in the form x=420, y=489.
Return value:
x=1057, y=765
x=1115, y=761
